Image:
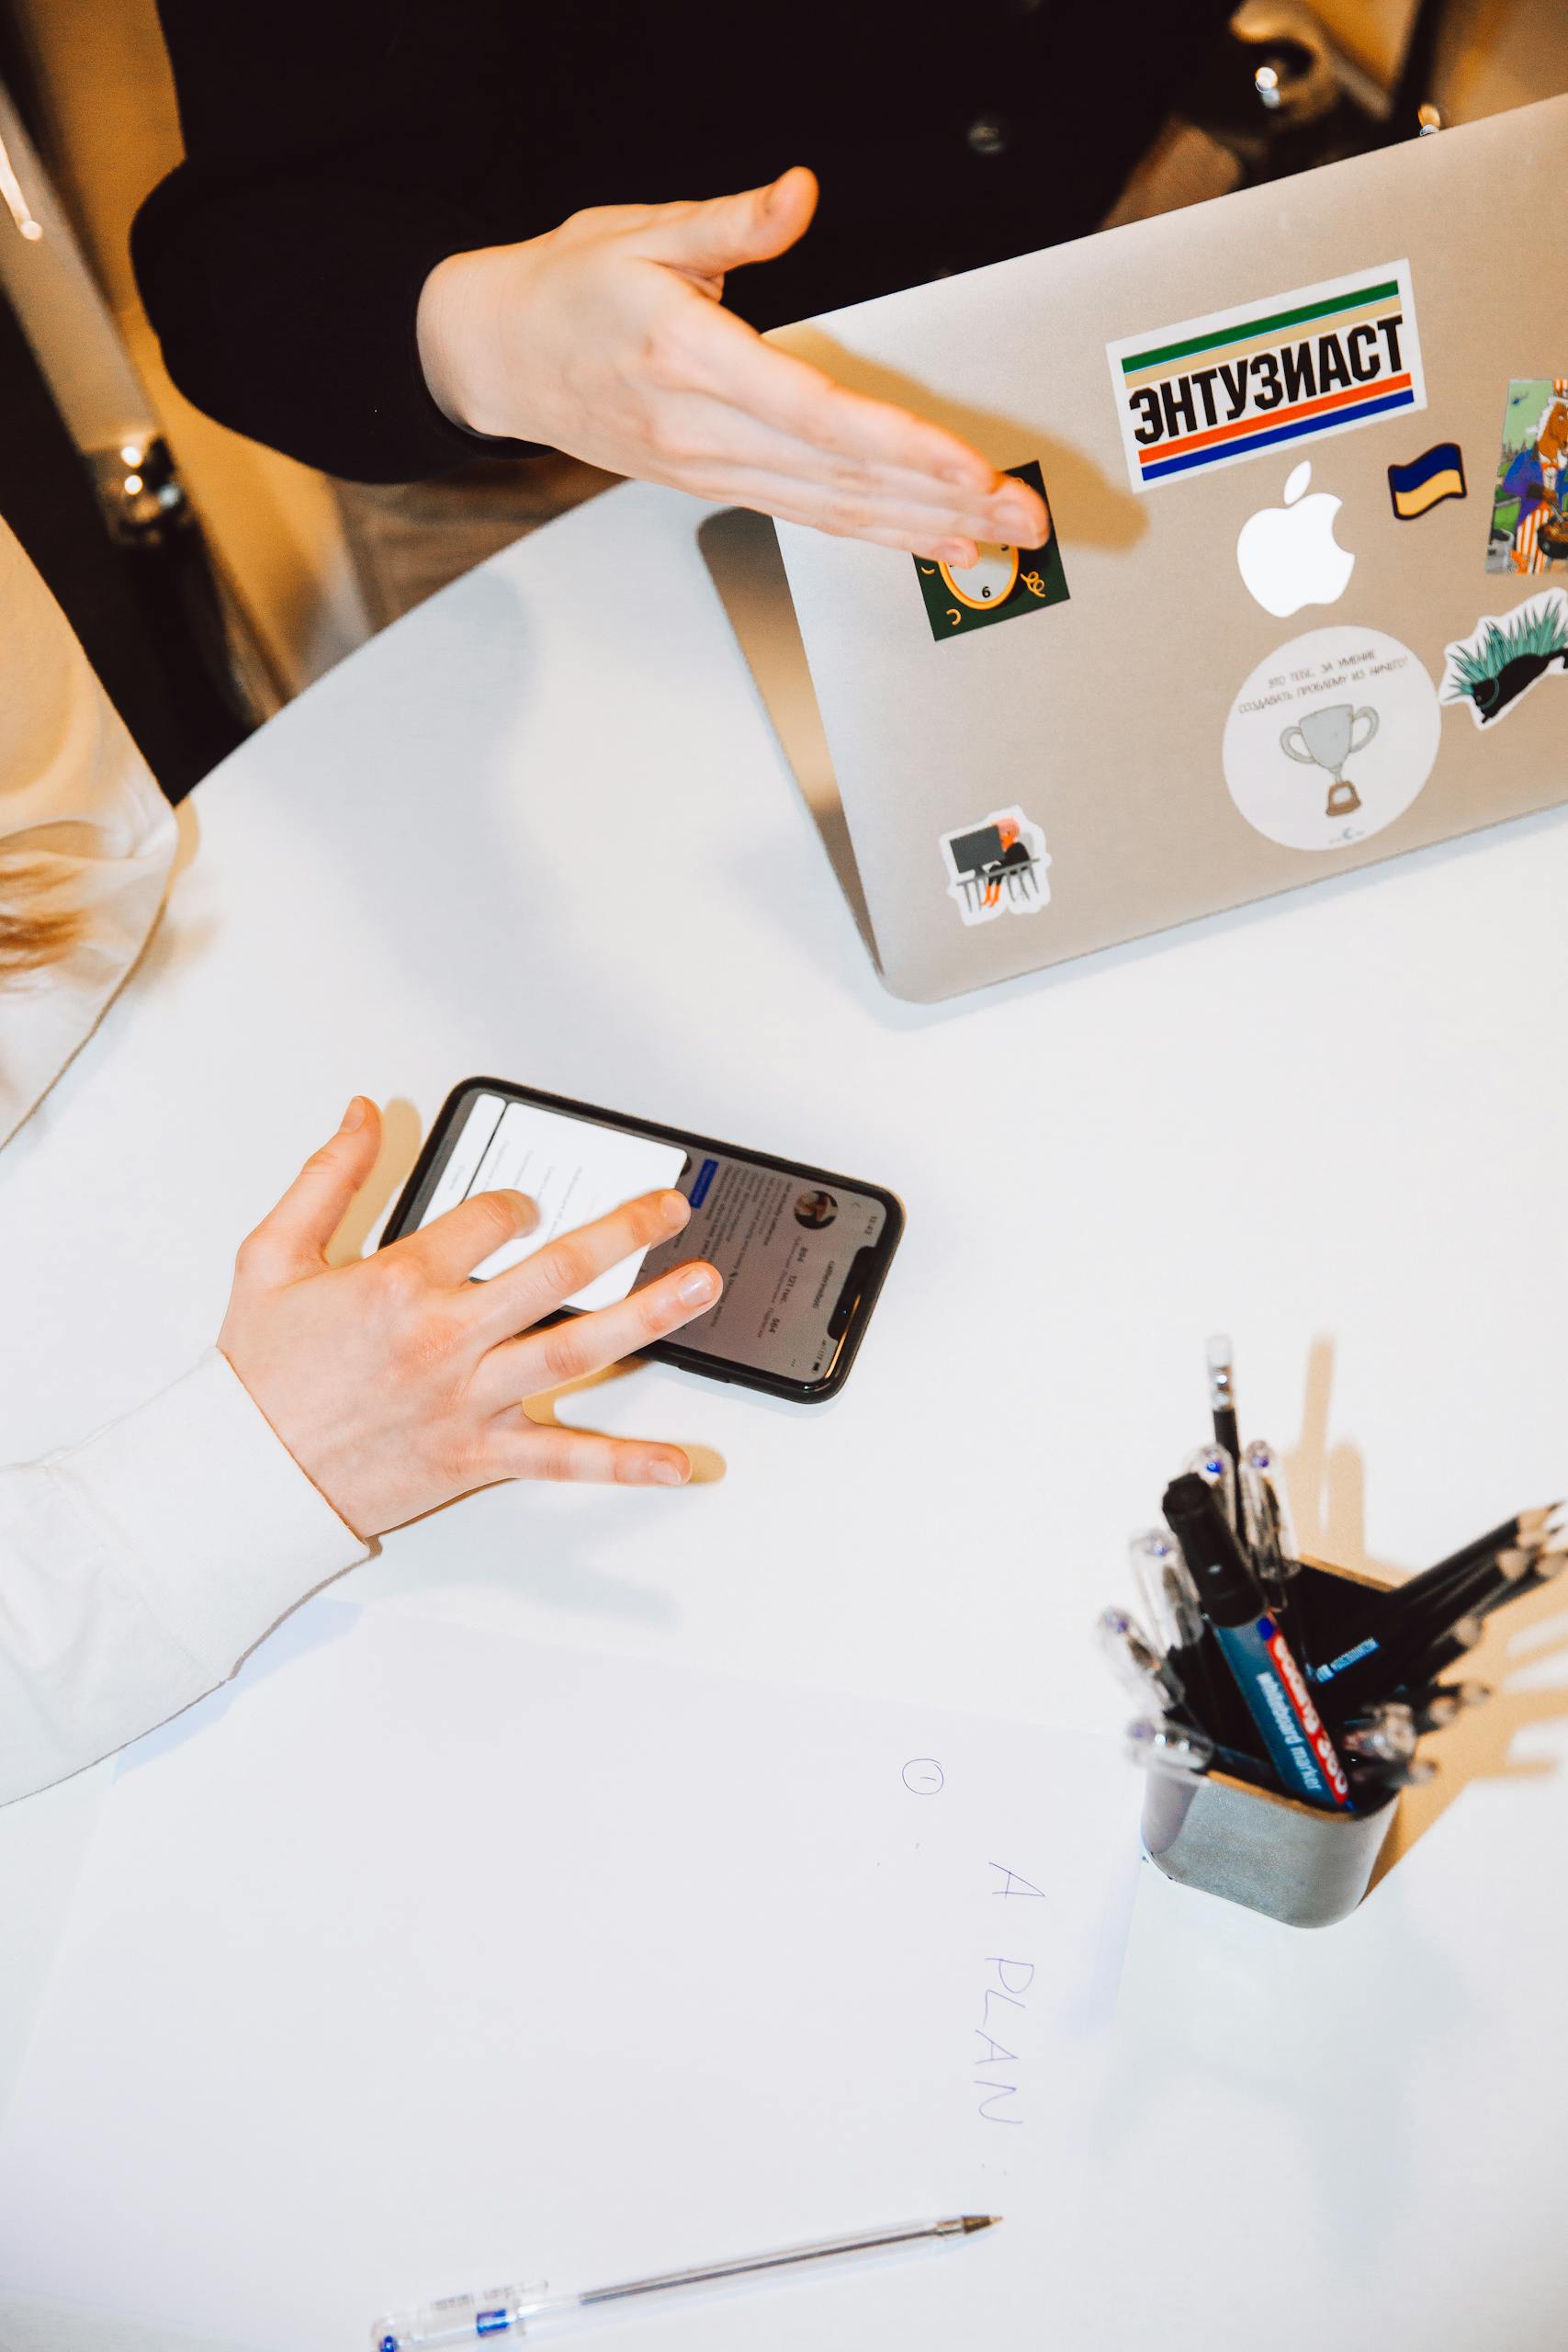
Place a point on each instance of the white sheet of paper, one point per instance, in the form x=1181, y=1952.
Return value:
x=573, y=1170
x=421, y=1958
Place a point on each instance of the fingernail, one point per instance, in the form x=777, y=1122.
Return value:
x=667, y=1472
x=676, y=1209
x=355, y=1115
x=527, y=1210
x=960, y=553
x=698, y=1286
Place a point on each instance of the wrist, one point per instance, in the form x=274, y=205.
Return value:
x=455, y=331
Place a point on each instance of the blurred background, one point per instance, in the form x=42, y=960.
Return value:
x=211, y=579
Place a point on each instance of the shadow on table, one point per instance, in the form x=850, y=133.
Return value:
x=1327, y=1489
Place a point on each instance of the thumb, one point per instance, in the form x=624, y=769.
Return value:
x=709, y=239
x=291, y=1239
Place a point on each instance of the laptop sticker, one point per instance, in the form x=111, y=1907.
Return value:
x=1006, y=581
x=1287, y=555
x=1436, y=474
x=1298, y=366
x=1506, y=654
x=997, y=866
x=1529, y=503
x=1331, y=739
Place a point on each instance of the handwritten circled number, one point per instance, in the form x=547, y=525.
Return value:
x=923, y=1776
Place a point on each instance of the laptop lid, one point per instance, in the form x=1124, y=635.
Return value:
x=1304, y=605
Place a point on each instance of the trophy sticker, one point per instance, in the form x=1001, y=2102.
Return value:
x=997, y=867
x=1331, y=739
x=1529, y=501
x=1216, y=390
x=1505, y=654
x=1436, y=474
x=1004, y=583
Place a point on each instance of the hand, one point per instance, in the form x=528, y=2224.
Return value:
x=396, y=1383
x=606, y=338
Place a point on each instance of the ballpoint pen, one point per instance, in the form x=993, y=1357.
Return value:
x=1268, y=1535
x=1216, y=1464
x=1146, y=1669
x=1166, y=1589
x=1373, y=1782
x=1185, y=1754
x=528, y=2311
x=1384, y=1735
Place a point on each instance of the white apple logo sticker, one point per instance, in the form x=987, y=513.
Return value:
x=1289, y=555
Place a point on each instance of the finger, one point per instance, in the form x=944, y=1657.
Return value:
x=727, y=231
x=519, y=1448
x=292, y=1238
x=798, y=399
x=888, y=522
x=590, y=1343
x=514, y=1300
x=702, y=442
x=452, y=1246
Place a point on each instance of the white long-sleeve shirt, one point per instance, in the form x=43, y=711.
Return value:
x=138, y=1566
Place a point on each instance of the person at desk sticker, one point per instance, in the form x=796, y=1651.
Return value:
x=398, y=228
x=137, y=1567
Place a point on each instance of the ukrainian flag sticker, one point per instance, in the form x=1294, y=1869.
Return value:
x=1436, y=474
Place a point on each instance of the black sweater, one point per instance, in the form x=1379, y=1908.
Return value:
x=337, y=150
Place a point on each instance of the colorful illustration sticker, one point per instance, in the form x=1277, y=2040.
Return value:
x=1216, y=390
x=1331, y=739
x=1287, y=555
x=1529, y=505
x=1436, y=474
x=997, y=867
x=1506, y=654
x=1005, y=581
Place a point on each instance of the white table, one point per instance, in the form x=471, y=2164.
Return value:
x=543, y=828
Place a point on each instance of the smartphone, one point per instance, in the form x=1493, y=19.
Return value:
x=802, y=1252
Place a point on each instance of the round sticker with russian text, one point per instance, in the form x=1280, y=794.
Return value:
x=1331, y=737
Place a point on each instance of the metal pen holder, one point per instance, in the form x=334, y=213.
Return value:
x=1295, y=1863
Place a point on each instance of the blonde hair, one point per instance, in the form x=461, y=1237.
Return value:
x=33, y=932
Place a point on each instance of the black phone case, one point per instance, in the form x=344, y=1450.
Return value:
x=405, y=1217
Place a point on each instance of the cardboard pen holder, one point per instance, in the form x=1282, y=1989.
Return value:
x=1295, y=1863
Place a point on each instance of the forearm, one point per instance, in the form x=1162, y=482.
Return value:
x=288, y=311
x=137, y=1568
x=333, y=158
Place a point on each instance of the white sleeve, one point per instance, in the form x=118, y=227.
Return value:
x=137, y=1568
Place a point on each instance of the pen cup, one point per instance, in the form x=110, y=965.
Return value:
x=1295, y=1863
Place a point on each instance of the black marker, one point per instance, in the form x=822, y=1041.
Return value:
x=1265, y=1668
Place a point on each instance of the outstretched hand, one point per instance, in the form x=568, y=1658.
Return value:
x=606, y=338
x=397, y=1382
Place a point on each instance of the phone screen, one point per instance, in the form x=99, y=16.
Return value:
x=784, y=1242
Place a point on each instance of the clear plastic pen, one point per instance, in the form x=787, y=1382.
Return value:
x=1216, y=1464
x=1171, y=1598
x=1132, y=1655
x=1267, y=1532
x=529, y=2311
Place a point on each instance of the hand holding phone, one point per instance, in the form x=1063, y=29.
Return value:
x=398, y=1382
x=802, y=1253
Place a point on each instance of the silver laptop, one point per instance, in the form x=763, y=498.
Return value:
x=1304, y=602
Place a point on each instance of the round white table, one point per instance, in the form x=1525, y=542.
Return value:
x=543, y=828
